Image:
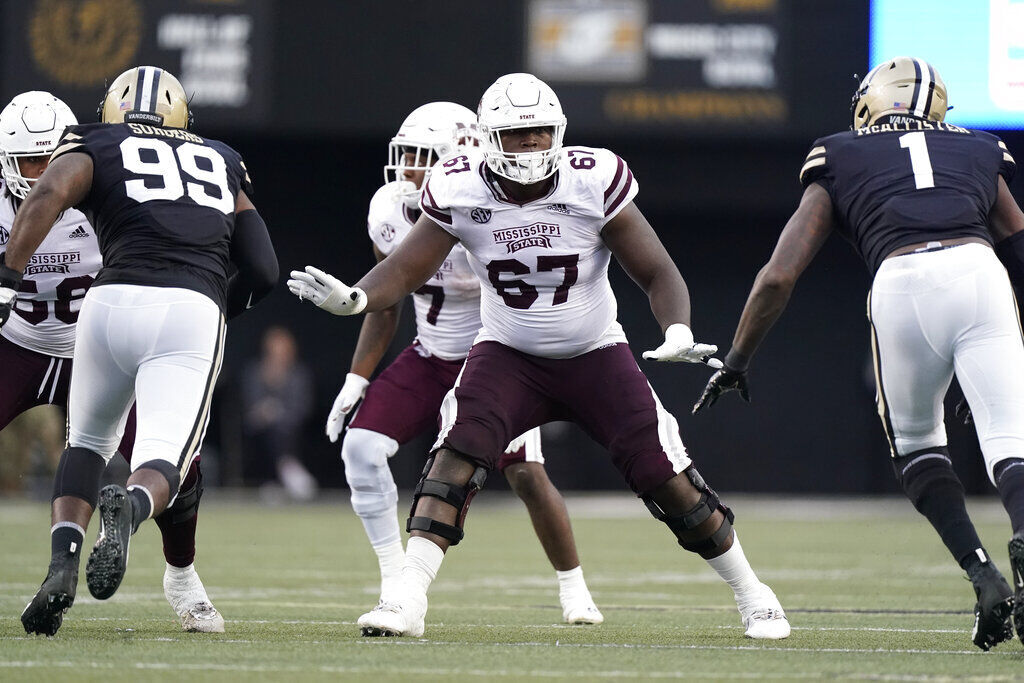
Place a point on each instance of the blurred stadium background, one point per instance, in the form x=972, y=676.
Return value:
x=714, y=104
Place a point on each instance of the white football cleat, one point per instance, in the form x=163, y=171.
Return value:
x=187, y=597
x=405, y=618
x=581, y=611
x=763, y=617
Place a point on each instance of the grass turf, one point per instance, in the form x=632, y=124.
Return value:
x=869, y=589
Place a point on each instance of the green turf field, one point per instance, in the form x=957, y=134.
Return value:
x=868, y=588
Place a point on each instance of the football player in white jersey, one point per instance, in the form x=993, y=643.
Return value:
x=541, y=223
x=405, y=399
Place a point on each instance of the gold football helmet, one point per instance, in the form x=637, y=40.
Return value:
x=902, y=85
x=146, y=94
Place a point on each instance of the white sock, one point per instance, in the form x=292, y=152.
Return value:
x=571, y=582
x=734, y=569
x=391, y=558
x=383, y=530
x=422, y=560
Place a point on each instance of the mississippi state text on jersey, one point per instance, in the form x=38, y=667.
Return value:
x=543, y=265
x=448, y=305
x=162, y=203
x=56, y=279
x=905, y=180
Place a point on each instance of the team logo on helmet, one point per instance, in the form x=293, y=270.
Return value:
x=480, y=215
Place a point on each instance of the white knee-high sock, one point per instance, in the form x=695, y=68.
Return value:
x=734, y=569
x=422, y=560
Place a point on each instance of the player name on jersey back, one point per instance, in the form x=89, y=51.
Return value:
x=162, y=203
x=448, y=305
x=905, y=181
x=543, y=265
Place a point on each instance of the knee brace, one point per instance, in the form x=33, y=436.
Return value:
x=365, y=454
x=459, y=497
x=78, y=474
x=186, y=505
x=169, y=472
x=684, y=525
x=925, y=473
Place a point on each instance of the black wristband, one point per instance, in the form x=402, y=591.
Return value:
x=9, y=277
x=736, y=362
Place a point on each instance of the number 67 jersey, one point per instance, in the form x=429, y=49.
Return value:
x=162, y=203
x=543, y=265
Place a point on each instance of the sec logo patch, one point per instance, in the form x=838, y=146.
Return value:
x=480, y=215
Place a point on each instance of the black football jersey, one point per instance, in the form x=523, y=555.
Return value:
x=162, y=203
x=905, y=180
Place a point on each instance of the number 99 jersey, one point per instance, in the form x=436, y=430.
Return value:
x=905, y=180
x=162, y=203
x=543, y=265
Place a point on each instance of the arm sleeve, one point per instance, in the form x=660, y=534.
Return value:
x=620, y=187
x=438, y=211
x=253, y=254
x=1007, y=166
x=816, y=165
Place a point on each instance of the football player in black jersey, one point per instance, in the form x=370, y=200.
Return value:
x=924, y=203
x=173, y=217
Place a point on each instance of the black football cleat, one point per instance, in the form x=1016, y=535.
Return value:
x=992, y=611
x=1016, y=547
x=109, y=557
x=45, y=614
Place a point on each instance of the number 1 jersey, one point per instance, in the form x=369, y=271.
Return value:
x=162, y=203
x=543, y=265
x=905, y=180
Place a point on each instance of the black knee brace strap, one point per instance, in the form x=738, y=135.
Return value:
x=925, y=472
x=78, y=474
x=459, y=497
x=686, y=522
x=186, y=505
x=170, y=472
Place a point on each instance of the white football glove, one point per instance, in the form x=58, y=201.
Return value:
x=8, y=297
x=351, y=393
x=326, y=291
x=679, y=346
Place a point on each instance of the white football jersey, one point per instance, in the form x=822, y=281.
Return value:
x=56, y=279
x=448, y=305
x=543, y=265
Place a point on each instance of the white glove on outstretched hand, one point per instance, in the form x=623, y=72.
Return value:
x=326, y=291
x=352, y=391
x=679, y=346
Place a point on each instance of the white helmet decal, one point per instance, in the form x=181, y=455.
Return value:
x=31, y=125
x=521, y=101
x=430, y=132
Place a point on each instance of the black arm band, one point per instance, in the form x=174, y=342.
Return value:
x=736, y=362
x=1011, y=252
x=9, y=277
x=253, y=254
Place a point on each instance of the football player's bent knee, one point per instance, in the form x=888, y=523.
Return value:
x=168, y=471
x=78, y=474
x=458, y=496
x=186, y=505
x=366, y=454
x=692, y=527
x=927, y=473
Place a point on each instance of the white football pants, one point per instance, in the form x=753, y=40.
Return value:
x=161, y=347
x=940, y=312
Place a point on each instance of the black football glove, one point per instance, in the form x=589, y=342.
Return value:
x=963, y=412
x=10, y=281
x=722, y=382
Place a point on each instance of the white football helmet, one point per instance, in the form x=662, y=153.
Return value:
x=520, y=101
x=430, y=132
x=30, y=126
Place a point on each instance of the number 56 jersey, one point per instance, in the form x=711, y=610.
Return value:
x=162, y=203
x=543, y=265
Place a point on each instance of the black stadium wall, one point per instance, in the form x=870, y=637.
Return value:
x=310, y=93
